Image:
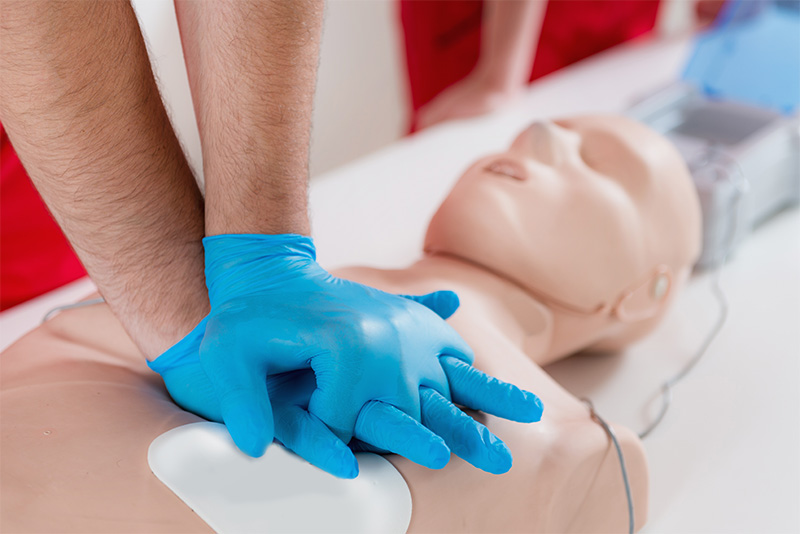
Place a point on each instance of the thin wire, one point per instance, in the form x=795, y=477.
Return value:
x=611, y=434
x=666, y=387
x=65, y=307
x=719, y=294
x=716, y=288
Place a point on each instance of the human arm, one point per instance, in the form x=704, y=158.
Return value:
x=80, y=104
x=252, y=70
x=508, y=44
x=274, y=310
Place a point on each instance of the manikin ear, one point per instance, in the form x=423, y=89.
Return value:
x=647, y=299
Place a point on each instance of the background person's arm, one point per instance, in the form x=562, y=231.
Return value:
x=82, y=109
x=508, y=44
x=252, y=69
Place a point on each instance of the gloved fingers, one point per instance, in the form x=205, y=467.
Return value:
x=475, y=389
x=454, y=345
x=445, y=304
x=385, y=427
x=243, y=399
x=331, y=401
x=442, y=303
x=191, y=389
x=308, y=437
x=356, y=445
x=466, y=437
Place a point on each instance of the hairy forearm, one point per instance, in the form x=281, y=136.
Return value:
x=81, y=107
x=508, y=44
x=252, y=68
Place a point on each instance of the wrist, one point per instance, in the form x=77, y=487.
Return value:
x=246, y=215
x=160, y=305
x=167, y=328
x=240, y=264
x=495, y=77
x=184, y=351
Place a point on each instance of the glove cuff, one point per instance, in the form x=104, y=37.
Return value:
x=239, y=264
x=184, y=351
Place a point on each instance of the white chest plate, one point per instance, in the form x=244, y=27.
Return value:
x=279, y=492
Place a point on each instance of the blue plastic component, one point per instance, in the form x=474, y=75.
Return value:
x=751, y=55
x=290, y=351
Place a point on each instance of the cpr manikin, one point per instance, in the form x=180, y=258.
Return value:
x=575, y=238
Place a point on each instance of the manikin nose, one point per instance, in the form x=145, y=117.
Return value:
x=545, y=142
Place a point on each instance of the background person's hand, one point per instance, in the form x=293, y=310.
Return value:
x=381, y=362
x=474, y=95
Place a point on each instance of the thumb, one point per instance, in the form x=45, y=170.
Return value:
x=442, y=303
x=243, y=399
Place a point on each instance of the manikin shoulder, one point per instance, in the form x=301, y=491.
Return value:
x=492, y=311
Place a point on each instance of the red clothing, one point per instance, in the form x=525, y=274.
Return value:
x=443, y=38
x=35, y=256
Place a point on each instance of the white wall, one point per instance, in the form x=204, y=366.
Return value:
x=360, y=100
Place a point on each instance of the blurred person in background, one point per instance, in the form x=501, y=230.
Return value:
x=469, y=57
x=464, y=58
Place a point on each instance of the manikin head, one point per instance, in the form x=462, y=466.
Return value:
x=593, y=216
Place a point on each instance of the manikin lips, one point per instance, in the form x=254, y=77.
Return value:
x=507, y=168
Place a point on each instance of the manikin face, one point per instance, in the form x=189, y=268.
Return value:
x=579, y=210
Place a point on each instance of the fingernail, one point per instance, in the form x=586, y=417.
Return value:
x=245, y=432
x=499, y=453
x=537, y=407
x=350, y=471
x=439, y=454
x=252, y=445
x=501, y=459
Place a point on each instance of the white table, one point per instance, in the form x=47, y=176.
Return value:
x=726, y=458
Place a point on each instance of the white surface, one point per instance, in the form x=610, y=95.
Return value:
x=17, y=321
x=360, y=104
x=726, y=457
x=279, y=492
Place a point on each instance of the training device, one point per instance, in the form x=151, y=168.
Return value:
x=734, y=118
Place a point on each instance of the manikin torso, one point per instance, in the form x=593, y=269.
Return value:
x=554, y=460
x=548, y=255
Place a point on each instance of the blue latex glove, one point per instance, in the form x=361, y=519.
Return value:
x=377, y=359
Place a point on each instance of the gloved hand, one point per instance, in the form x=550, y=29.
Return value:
x=376, y=358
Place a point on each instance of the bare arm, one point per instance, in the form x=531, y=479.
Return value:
x=508, y=45
x=80, y=104
x=252, y=68
x=509, y=39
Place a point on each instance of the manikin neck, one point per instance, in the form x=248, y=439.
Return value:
x=524, y=313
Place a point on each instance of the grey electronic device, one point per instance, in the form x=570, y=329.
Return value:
x=744, y=159
x=734, y=118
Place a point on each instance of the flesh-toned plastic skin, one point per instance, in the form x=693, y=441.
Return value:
x=575, y=238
